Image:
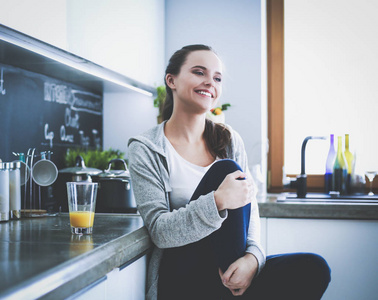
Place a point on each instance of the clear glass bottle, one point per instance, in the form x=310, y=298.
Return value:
x=329, y=166
x=15, y=190
x=339, y=170
x=350, y=160
x=4, y=191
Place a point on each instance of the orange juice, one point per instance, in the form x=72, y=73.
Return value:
x=83, y=219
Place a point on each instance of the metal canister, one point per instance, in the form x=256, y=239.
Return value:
x=15, y=190
x=4, y=191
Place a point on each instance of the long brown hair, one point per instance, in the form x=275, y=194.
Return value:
x=217, y=136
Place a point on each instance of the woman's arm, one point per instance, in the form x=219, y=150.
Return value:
x=168, y=229
x=254, y=233
x=253, y=239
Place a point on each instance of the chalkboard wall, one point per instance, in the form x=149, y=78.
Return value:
x=37, y=111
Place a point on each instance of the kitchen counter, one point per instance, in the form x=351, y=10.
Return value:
x=39, y=256
x=317, y=210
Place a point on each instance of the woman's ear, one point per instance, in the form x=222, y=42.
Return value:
x=169, y=79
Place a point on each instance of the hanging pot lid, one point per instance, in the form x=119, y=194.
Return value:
x=80, y=168
x=108, y=173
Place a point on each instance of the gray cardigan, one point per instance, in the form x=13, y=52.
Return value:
x=150, y=178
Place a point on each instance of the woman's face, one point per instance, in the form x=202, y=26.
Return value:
x=198, y=86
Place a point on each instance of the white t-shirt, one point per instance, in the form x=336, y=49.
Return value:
x=184, y=177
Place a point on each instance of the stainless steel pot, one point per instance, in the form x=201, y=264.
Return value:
x=72, y=174
x=115, y=193
x=80, y=172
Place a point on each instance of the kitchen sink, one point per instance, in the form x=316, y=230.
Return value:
x=326, y=198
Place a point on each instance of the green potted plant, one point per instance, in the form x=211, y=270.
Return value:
x=159, y=101
x=92, y=158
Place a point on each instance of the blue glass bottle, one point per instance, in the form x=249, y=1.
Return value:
x=329, y=165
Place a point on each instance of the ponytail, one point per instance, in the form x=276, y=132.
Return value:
x=217, y=138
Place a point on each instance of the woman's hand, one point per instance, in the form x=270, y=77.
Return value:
x=233, y=193
x=239, y=274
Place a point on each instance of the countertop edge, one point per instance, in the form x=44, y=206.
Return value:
x=275, y=209
x=73, y=275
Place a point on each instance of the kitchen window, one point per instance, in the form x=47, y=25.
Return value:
x=321, y=80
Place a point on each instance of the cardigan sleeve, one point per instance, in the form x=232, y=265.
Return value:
x=168, y=228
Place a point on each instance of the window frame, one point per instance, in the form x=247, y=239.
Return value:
x=276, y=118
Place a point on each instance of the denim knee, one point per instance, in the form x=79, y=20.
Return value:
x=317, y=269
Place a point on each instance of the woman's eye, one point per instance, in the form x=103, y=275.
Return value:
x=198, y=72
x=217, y=79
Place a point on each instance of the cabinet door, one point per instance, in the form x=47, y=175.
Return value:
x=349, y=246
x=95, y=291
x=128, y=282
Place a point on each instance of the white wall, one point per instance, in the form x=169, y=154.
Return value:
x=233, y=29
x=126, y=36
x=43, y=19
x=126, y=115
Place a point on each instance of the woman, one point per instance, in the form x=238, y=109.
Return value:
x=197, y=199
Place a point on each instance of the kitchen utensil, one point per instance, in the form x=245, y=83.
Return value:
x=24, y=168
x=115, y=190
x=80, y=172
x=44, y=172
x=32, y=192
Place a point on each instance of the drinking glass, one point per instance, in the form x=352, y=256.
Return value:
x=370, y=176
x=82, y=205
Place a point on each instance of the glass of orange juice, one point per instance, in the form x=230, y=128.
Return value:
x=82, y=205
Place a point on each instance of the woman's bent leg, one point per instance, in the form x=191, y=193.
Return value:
x=229, y=242
x=292, y=276
x=191, y=271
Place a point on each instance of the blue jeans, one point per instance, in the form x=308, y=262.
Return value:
x=191, y=271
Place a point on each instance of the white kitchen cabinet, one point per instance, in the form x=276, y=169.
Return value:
x=349, y=246
x=95, y=291
x=127, y=282
x=263, y=222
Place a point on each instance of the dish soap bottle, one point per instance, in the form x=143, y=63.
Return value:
x=349, y=159
x=329, y=166
x=339, y=170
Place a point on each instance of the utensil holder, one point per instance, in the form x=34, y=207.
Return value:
x=32, y=192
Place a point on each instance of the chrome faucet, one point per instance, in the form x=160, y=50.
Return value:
x=300, y=183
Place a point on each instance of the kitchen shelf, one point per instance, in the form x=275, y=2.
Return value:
x=28, y=53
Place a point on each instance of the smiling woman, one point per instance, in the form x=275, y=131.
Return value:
x=198, y=200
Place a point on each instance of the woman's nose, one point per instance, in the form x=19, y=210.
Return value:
x=209, y=81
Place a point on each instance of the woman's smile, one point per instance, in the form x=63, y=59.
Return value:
x=205, y=93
